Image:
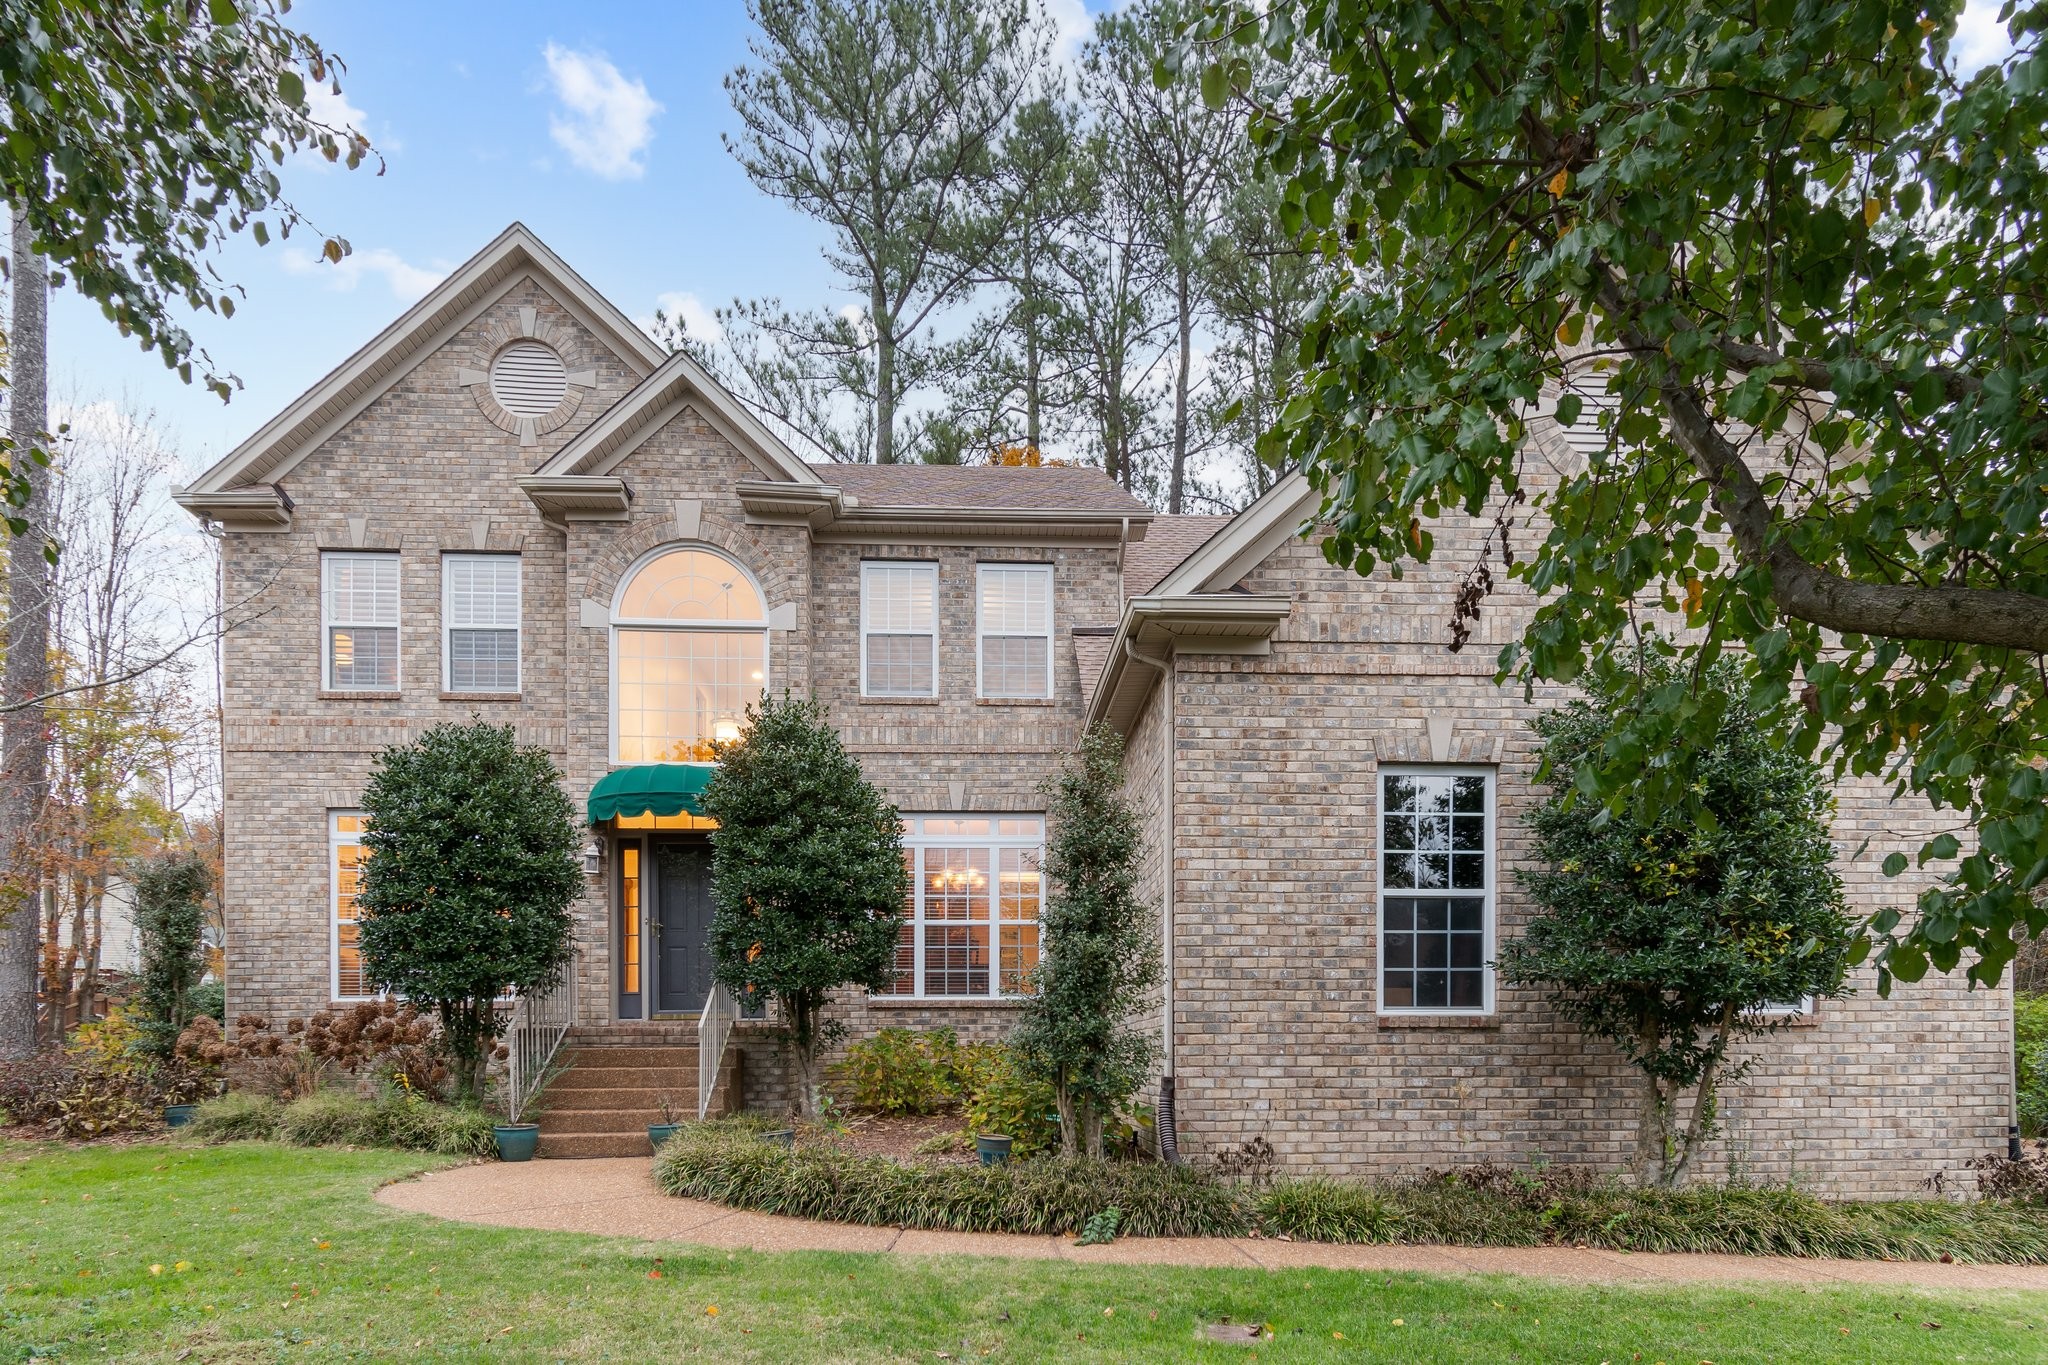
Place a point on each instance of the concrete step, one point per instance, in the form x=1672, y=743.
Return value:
x=621, y=1098
x=658, y=1033
x=611, y=1059
x=596, y=1144
x=606, y=1120
x=613, y=1077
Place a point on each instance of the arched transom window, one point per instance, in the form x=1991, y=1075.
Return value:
x=689, y=651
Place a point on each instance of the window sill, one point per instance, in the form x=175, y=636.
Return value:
x=912, y=1002
x=1412, y=1021
x=896, y=701
x=481, y=696
x=1016, y=701
x=360, y=696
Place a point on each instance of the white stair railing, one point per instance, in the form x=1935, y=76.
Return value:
x=540, y=1022
x=714, y=1030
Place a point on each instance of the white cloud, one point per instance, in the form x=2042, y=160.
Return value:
x=1980, y=39
x=606, y=120
x=684, y=307
x=406, y=280
x=1072, y=26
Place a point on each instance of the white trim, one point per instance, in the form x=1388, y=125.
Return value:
x=1487, y=950
x=518, y=627
x=865, y=566
x=982, y=633
x=618, y=622
x=328, y=623
x=916, y=841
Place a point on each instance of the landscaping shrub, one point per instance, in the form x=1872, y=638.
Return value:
x=31, y=1087
x=1002, y=1098
x=2030, y=1060
x=901, y=1071
x=1474, y=1206
x=237, y=1116
x=210, y=998
x=333, y=1118
x=1049, y=1195
x=380, y=1040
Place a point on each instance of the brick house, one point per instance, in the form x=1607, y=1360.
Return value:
x=512, y=504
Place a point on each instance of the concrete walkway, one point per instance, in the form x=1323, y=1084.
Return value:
x=617, y=1197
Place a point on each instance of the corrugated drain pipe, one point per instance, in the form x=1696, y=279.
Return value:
x=1169, y=1142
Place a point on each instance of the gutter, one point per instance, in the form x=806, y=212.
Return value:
x=1169, y=1144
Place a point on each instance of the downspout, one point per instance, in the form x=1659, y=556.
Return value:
x=1169, y=1142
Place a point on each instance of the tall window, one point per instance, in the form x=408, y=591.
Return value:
x=971, y=927
x=1013, y=622
x=359, y=622
x=1436, y=889
x=345, y=864
x=899, y=630
x=480, y=618
x=629, y=931
x=689, y=651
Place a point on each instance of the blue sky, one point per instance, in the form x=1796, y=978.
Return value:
x=598, y=125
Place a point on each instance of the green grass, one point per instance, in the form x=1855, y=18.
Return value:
x=286, y=1258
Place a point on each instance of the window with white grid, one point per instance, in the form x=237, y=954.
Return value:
x=899, y=629
x=1436, y=890
x=970, y=927
x=345, y=867
x=689, y=654
x=1013, y=625
x=480, y=623
x=359, y=622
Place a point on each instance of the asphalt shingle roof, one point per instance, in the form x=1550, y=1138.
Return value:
x=1050, y=488
x=1168, y=541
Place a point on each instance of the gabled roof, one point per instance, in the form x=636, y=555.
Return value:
x=678, y=381
x=1252, y=534
x=1171, y=541
x=514, y=255
x=1050, y=488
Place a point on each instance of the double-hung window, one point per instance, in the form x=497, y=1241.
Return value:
x=480, y=623
x=1436, y=890
x=345, y=870
x=1013, y=624
x=359, y=622
x=899, y=629
x=971, y=925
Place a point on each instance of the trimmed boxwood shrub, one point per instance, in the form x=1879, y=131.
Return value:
x=1475, y=1206
x=332, y=1118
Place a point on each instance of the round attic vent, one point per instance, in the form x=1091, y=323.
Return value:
x=528, y=379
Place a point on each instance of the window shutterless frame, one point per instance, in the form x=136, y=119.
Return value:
x=482, y=602
x=344, y=853
x=985, y=575
x=877, y=578
x=1456, y=945
x=360, y=592
x=959, y=862
x=624, y=619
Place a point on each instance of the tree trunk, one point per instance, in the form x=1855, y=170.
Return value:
x=1031, y=364
x=885, y=378
x=1091, y=1131
x=24, y=742
x=1185, y=324
x=1653, y=1134
x=1070, y=1120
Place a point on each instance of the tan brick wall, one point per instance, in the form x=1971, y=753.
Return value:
x=1278, y=1034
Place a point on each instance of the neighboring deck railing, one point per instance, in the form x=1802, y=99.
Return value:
x=539, y=1024
x=714, y=1030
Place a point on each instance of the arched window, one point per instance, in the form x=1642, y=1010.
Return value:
x=689, y=651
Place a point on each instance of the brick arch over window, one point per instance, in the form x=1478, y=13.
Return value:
x=610, y=565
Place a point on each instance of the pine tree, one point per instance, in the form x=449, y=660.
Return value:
x=1101, y=958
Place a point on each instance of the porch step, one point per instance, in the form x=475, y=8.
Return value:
x=633, y=1058
x=635, y=1032
x=609, y=1121
x=637, y=1095
x=595, y=1144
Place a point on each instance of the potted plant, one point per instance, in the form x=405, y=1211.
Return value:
x=658, y=1133
x=993, y=1148
x=519, y=1140
x=183, y=1087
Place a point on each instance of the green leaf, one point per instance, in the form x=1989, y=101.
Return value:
x=224, y=12
x=1894, y=864
x=291, y=88
x=1215, y=86
x=1568, y=405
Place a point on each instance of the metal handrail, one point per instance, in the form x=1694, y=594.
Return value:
x=540, y=1022
x=714, y=1030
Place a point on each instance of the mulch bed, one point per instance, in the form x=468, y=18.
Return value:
x=897, y=1136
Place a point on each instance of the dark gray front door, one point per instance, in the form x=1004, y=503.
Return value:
x=682, y=928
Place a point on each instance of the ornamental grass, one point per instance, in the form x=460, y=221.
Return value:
x=1496, y=1206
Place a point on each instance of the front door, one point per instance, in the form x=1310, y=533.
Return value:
x=682, y=928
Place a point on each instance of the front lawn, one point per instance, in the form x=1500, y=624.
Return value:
x=251, y=1252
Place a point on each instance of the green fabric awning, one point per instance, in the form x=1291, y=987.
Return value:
x=649, y=789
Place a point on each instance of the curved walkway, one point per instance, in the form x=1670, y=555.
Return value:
x=617, y=1197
